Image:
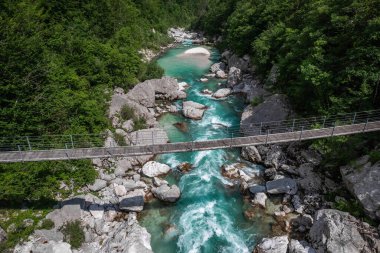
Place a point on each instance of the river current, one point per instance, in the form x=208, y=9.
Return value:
x=209, y=216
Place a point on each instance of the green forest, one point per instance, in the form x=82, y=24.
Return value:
x=324, y=50
x=59, y=62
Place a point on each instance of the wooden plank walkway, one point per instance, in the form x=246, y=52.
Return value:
x=101, y=152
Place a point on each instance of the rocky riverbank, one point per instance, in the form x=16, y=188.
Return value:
x=294, y=187
x=179, y=36
x=107, y=210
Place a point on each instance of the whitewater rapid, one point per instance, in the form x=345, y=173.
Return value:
x=209, y=215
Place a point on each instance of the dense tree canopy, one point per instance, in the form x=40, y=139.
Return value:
x=326, y=51
x=59, y=58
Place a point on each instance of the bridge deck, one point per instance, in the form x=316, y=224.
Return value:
x=101, y=152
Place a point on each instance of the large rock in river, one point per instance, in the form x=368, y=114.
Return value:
x=167, y=193
x=222, y=93
x=193, y=110
x=334, y=231
x=362, y=179
x=154, y=169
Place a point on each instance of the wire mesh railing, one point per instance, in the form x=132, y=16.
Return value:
x=212, y=132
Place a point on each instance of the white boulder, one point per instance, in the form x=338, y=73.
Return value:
x=154, y=169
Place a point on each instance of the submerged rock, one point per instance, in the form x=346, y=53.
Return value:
x=198, y=50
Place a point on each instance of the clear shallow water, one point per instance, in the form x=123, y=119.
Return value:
x=209, y=217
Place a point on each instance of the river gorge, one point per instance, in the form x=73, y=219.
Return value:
x=209, y=216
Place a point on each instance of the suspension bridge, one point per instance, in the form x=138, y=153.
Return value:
x=155, y=141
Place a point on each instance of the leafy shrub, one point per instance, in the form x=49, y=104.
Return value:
x=374, y=156
x=120, y=140
x=139, y=123
x=73, y=234
x=127, y=113
x=257, y=100
x=47, y=224
x=152, y=71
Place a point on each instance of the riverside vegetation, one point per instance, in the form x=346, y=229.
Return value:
x=59, y=62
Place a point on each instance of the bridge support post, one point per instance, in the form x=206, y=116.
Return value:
x=72, y=142
x=294, y=122
x=353, y=120
x=324, y=122
x=261, y=127
x=27, y=140
x=333, y=130
x=19, y=150
x=365, y=125
x=301, y=134
x=266, y=138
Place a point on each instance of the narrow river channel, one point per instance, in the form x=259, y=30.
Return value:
x=209, y=217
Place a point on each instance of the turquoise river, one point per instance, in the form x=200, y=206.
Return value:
x=209, y=217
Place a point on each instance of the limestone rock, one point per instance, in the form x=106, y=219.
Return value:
x=48, y=247
x=251, y=153
x=154, y=169
x=284, y=185
x=193, y=110
x=221, y=74
x=274, y=108
x=309, y=181
x=257, y=188
x=296, y=246
x=334, y=231
x=222, y=93
x=3, y=235
x=166, y=193
x=234, y=77
x=219, y=66
x=298, y=207
x=278, y=244
x=260, y=199
x=70, y=210
x=133, y=201
x=98, y=185
x=363, y=181
x=49, y=235
x=158, y=182
x=127, y=237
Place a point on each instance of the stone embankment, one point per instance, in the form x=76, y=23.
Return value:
x=304, y=220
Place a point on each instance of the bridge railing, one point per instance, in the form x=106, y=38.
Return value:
x=48, y=142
